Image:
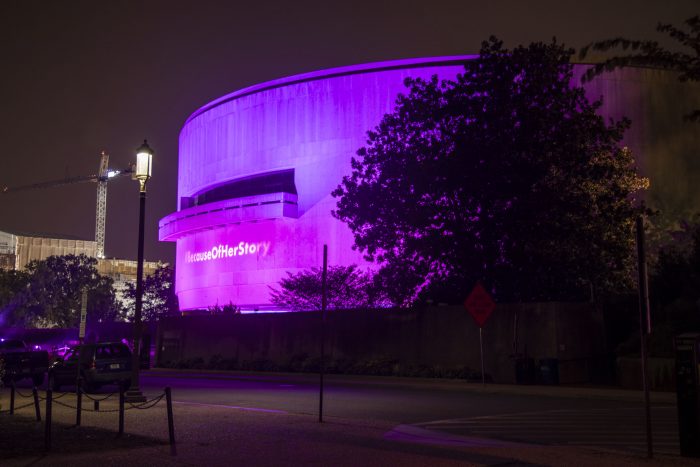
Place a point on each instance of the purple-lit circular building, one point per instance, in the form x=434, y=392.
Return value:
x=257, y=166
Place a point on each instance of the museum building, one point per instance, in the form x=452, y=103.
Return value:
x=257, y=166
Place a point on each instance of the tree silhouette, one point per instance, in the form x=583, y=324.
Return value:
x=52, y=293
x=505, y=175
x=651, y=54
x=159, y=299
x=346, y=288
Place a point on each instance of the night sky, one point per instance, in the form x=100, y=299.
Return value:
x=81, y=77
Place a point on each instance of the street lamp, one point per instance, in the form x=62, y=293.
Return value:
x=142, y=173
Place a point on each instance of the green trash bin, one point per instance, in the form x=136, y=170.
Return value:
x=687, y=347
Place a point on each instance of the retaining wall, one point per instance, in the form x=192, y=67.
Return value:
x=444, y=337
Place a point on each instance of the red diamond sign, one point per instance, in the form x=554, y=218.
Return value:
x=479, y=304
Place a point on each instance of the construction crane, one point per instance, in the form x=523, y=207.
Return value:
x=103, y=175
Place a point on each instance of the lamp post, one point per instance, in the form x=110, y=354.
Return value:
x=142, y=173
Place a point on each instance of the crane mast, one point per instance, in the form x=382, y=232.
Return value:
x=103, y=175
x=101, y=214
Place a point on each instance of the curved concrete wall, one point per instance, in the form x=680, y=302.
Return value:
x=233, y=250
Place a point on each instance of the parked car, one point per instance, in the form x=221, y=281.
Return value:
x=23, y=361
x=100, y=364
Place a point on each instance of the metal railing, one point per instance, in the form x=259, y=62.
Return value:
x=123, y=406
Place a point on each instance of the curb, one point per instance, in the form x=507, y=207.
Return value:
x=575, y=392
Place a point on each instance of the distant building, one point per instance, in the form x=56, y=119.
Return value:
x=123, y=272
x=17, y=249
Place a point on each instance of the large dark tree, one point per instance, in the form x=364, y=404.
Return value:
x=651, y=54
x=52, y=296
x=675, y=275
x=506, y=175
x=346, y=287
x=12, y=284
x=159, y=299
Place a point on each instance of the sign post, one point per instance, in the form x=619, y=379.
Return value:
x=479, y=304
x=644, y=324
x=83, y=316
x=324, y=302
x=81, y=338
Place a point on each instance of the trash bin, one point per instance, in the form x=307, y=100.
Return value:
x=548, y=371
x=687, y=350
x=524, y=370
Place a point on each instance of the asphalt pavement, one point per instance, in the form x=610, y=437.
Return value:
x=605, y=418
x=234, y=419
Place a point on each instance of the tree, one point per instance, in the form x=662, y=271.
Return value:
x=505, y=175
x=159, y=299
x=230, y=309
x=675, y=275
x=12, y=283
x=52, y=296
x=346, y=287
x=651, y=54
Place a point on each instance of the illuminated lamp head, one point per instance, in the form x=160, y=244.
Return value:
x=144, y=164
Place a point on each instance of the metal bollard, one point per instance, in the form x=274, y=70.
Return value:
x=47, y=429
x=121, y=410
x=35, y=393
x=79, y=409
x=171, y=423
x=12, y=398
x=96, y=406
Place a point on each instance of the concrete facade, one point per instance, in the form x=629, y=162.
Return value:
x=256, y=168
x=19, y=249
x=437, y=337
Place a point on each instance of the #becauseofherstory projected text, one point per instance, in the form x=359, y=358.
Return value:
x=222, y=251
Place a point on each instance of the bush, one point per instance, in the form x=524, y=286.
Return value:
x=303, y=363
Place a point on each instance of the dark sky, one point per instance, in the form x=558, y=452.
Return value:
x=81, y=77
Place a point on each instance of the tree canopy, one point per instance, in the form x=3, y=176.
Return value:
x=505, y=174
x=158, y=300
x=675, y=273
x=346, y=287
x=12, y=283
x=651, y=54
x=49, y=293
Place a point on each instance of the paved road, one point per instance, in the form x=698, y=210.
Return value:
x=621, y=428
x=452, y=407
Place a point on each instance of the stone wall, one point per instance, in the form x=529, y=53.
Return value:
x=444, y=337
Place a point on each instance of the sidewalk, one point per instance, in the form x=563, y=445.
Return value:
x=216, y=436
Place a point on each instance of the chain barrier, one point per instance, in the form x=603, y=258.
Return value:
x=148, y=404
x=18, y=407
x=144, y=405
x=54, y=397
x=140, y=406
x=34, y=395
x=17, y=391
x=84, y=409
x=95, y=399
